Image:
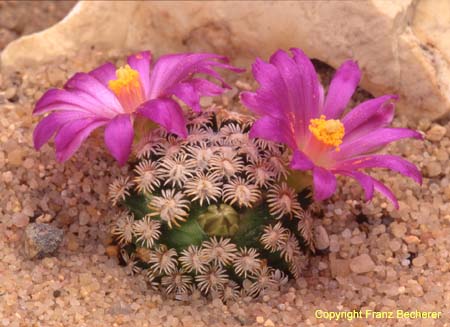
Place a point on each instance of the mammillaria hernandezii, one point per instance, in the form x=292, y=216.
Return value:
x=214, y=212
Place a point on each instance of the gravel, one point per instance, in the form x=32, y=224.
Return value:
x=41, y=240
x=390, y=260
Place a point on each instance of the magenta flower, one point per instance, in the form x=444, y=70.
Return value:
x=293, y=111
x=114, y=98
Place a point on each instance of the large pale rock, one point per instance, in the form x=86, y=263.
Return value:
x=402, y=46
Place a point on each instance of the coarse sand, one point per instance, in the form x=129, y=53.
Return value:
x=379, y=259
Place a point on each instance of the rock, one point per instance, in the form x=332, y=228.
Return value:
x=402, y=46
x=10, y=92
x=20, y=220
x=334, y=244
x=41, y=240
x=415, y=288
x=321, y=239
x=357, y=239
x=398, y=229
x=72, y=242
x=338, y=267
x=433, y=169
x=436, y=133
x=346, y=233
x=44, y=218
x=411, y=239
x=6, y=36
x=362, y=264
x=419, y=261
x=15, y=157
x=447, y=193
x=84, y=218
x=395, y=245
x=112, y=251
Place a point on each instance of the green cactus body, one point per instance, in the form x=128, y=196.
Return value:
x=214, y=212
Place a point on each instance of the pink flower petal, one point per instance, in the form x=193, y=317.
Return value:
x=271, y=98
x=166, y=113
x=141, y=62
x=119, y=137
x=324, y=183
x=368, y=116
x=51, y=124
x=63, y=100
x=272, y=129
x=310, y=90
x=341, y=89
x=380, y=187
x=176, y=68
x=373, y=141
x=364, y=180
x=71, y=135
x=104, y=73
x=92, y=87
x=391, y=162
x=300, y=161
x=191, y=91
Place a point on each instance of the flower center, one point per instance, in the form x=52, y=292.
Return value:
x=329, y=132
x=128, y=88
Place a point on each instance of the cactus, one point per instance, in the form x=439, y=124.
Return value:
x=215, y=212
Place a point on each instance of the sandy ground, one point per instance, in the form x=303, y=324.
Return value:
x=82, y=286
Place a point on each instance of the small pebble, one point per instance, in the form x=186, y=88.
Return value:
x=20, y=220
x=41, y=240
x=411, y=239
x=321, y=239
x=433, y=168
x=395, y=245
x=419, y=261
x=362, y=264
x=436, y=133
x=398, y=229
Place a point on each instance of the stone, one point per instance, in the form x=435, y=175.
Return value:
x=15, y=157
x=10, y=92
x=41, y=240
x=338, y=267
x=395, y=245
x=401, y=46
x=44, y=218
x=419, y=261
x=436, y=133
x=334, y=244
x=72, y=242
x=346, y=233
x=447, y=193
x=20, y=219
x=321, y=239
x=433, y=169
x=6, y=36
x=84, y=218
x=362, y=264
x=415, y=288
x=411, y=239
x=398, y=229
x=112, y=251
x=357, y=239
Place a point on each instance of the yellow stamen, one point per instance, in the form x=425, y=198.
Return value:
x=126, y=77
x=329, y=132
x=127, y=87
